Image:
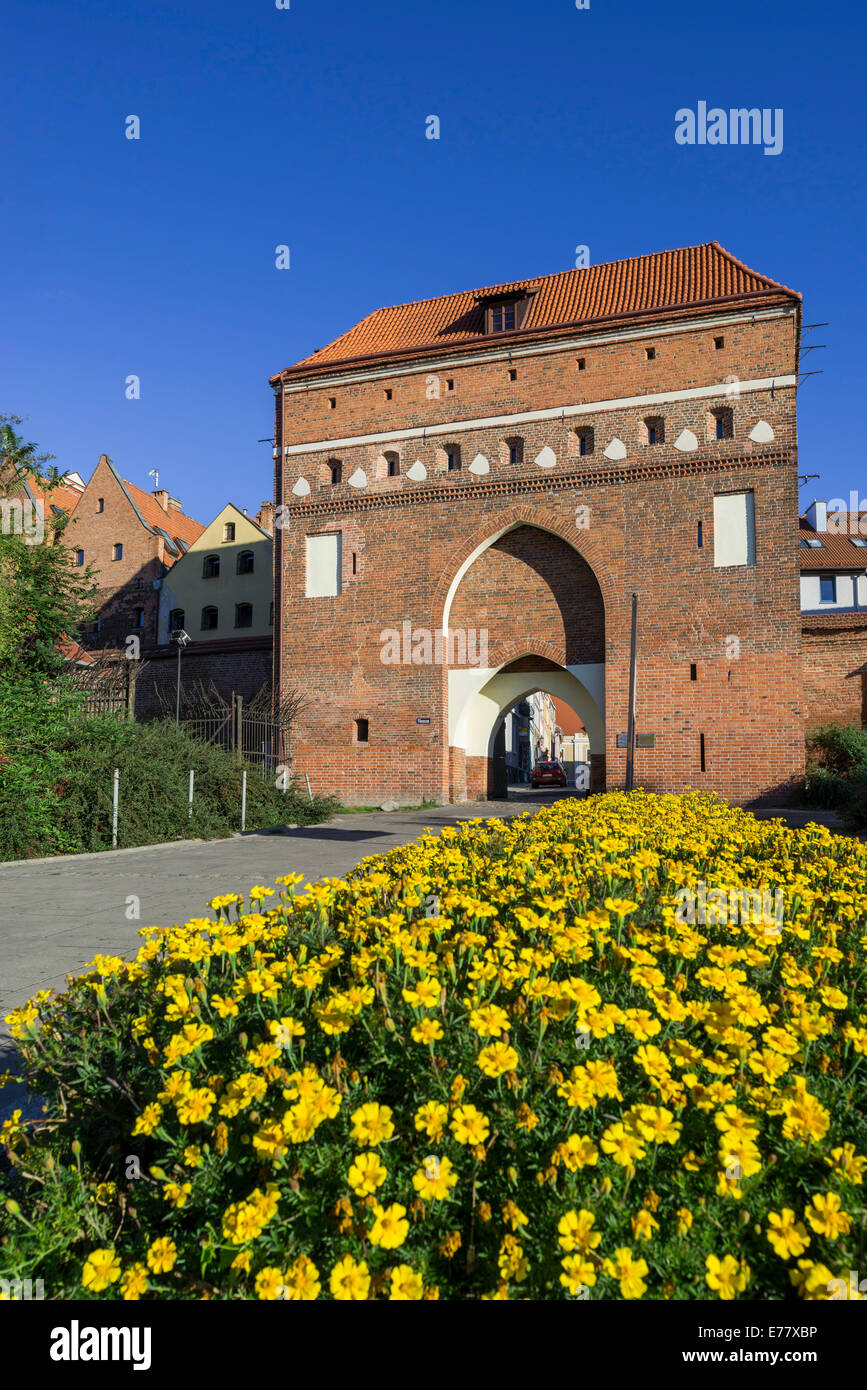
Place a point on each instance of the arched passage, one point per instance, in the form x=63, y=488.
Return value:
x=539, y=607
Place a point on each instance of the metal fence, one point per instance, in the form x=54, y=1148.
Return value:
x=252, y=735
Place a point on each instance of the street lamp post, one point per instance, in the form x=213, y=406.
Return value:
x=181, y=639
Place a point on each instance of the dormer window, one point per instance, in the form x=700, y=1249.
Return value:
x=503, y=317
x=504, y=312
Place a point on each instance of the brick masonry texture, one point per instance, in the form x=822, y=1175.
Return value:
x=558, y=584
x=835, y=672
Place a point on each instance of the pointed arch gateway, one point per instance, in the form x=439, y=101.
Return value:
x=530, y=600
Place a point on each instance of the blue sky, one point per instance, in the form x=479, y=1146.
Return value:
x=306, y=127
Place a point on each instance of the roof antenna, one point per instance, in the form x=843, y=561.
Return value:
x=154, y=473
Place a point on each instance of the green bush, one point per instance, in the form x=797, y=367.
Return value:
x=56, y=788
x=837, y=772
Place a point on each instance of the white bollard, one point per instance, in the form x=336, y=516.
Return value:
x=114, y=799
x=190, y=806
x=309, y=792
x=244, y=799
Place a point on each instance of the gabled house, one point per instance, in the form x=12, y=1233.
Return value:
x=833, y=556
x=131, y=539
x=222, y=589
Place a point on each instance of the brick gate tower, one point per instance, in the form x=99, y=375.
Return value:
x=471, y=488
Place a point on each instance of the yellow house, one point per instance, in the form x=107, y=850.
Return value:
x=222, y=587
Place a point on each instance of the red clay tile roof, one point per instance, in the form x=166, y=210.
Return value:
x=64, y=497
x=174, y=522
x=665, y=280
x=837, y=551
x=821, y=621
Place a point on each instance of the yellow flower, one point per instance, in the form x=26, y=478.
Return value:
x=406, y=1285
x=269, y=1284
x=578, y=1274
x=826, y=1216
x=350, y=1280
x=624, y=1148
x=371, y=1124
x=489, y=1020
x=629, y=1272
x=434, y=1182
x=727, y=1277
x=496, y=1059
x=576, y=1231
x=101, y=1268
x=367, y=1173
x=162, y=1255
x=469, y=1125
x=431, y=1118
x=301, y=1281
x=786, y=1235
x=134, y=1282
x=428, y=1031
x=684, y=1221
x=389, y=1228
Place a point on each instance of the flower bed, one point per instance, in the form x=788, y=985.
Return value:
x=500, y=1063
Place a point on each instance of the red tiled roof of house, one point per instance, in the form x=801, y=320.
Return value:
x=837, y=551
x=175, y=523
x=664, y=280
x=66, y=498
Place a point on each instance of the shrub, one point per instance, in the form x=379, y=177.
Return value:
x=56, y=788
x=837, y=772
x=501, y=1062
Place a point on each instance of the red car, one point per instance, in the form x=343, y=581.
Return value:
x=548, y=775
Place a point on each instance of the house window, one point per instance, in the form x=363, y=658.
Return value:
x=336, y=471
x=693, y=671
x=100, y=504
x=719, y=343
x=453, y=457
x=211, y=567
x=654, y=430
x=734, y=529
x=229, y=531
x=323, y=565
x=828, y=588
x=362, y=730
x=582, y=363
x=245, y=562
x=332, y=402
x=210, y=619
x=811, y=543
x=118, y=550
x=585, y=441
x=139, y=617
x=243, y=615
x=513, y=375
x=393, y=462
x=450, y=383
x=388, y=393
x=649, y=354
x=176, y=619
x=503, y=318
x=516, y=450
x=79, y=557
x=859, y=541
x=98, y=623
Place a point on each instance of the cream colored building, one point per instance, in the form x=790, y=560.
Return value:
x=223, y=586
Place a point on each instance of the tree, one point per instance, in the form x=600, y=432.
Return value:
x=44, y=598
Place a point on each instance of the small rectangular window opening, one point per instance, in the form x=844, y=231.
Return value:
x=581, y=364
x=650, y=353
x=513, y=375
x=700, y=536
x=361, y=731
x=701, y=752
x=719, y=343
x=388, y=393
x=693, y=671
x=354, y=562
x=332, y=402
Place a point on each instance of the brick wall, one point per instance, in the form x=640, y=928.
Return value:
x=232, y=667
x=835, y=671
